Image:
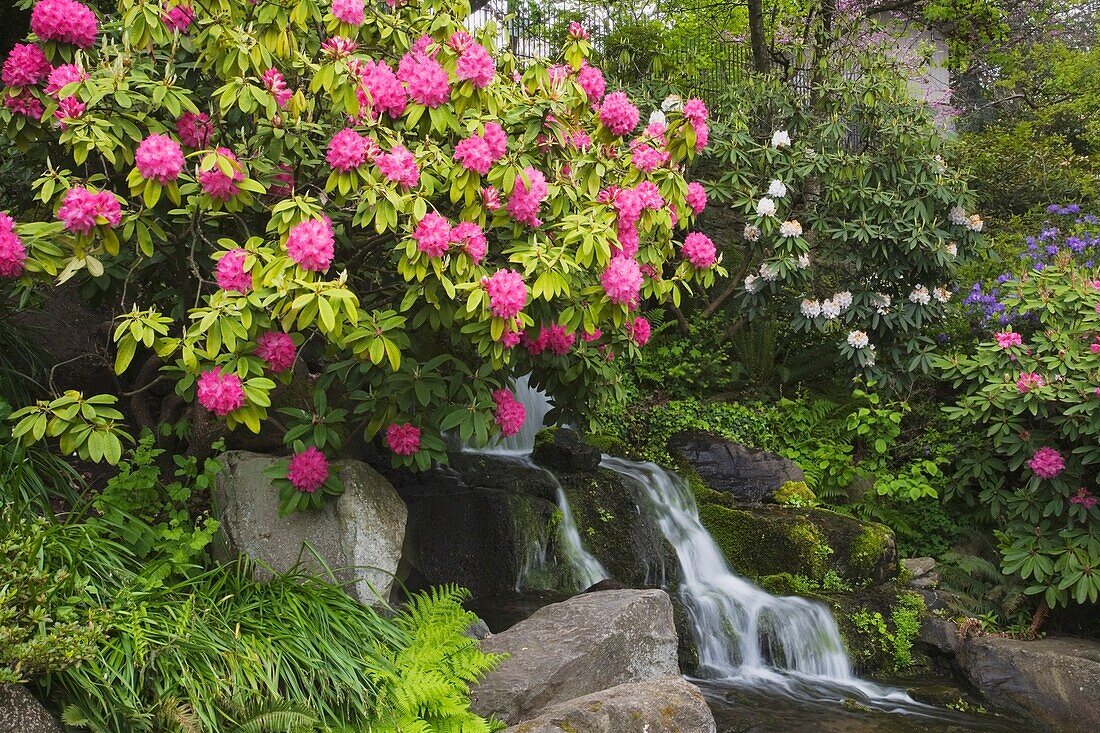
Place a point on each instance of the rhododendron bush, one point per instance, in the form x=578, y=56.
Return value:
x=370, y=194
x=1030, y=398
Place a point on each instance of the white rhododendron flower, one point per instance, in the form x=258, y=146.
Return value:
x=882, y=303
x=777, y=189
x=672, y=103
x=958, y=216
x=752, y=283
x=941, y=294
x=858, y=339
x=769, y=272
x=869, y=358
x=830, y=309
x=657, y=117
x=811, y=154
x=803, y=261
x=974, y=223
x=952, y=249
x=765, y=207
x=843, y=299
x=781, y=139
x=790, y=229
x=752, y=232
x=811, y=308
x=920, y=295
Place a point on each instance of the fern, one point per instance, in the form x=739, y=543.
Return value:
x=274, y=716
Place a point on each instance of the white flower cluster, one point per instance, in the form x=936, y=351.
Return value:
x=790, y=229
x=752, y=283
x=765, y=207
x=941, y=294
x=777, y=189
x=882, y=303
x=952, y=250
x=769, y=272
x=958, y=216
x=752, y=233
x=869, y=356
x=657, y=117
x=920, y=295
x=811, y=308
x=858, y=339
x=803, y=261
x=781, y=139
x=974, y=223
x=830, y=308
x=672, y=103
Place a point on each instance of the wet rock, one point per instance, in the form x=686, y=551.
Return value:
x=20, y=712
x=358, y=535
x=605, y=584
x=940, y=634
x=918, y=567
x=747, y=475
x=1052, y=681
x=659, y=706
x=478, y=630
x=581, y=646
x=562, y=449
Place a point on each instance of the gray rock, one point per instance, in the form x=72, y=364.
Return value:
x=20, y=712
x=918, y=567
x=1053, y=681
x=359, y=535
x=748, y=475
x=583, y=645
x=562, y=449
x=941, y=634
x=668, y=705
x=478, y=630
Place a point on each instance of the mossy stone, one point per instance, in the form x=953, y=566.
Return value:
x=758, y=543
x=795, y=493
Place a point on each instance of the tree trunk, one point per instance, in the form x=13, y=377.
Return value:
x=760, y=59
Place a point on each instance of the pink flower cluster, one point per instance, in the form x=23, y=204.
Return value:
x=1047, y=463
x=277, y=349
x=509, y=412
x=557, y=339
x=159, y=158
x=507, y=293
x=647, y=158
x=311, y=244
x=283, y=181
x=347, y=150
x=629, y=203
x=696, y=197
x=25, y=66
x=194, y=130
x=25, y=103
x=404, y=439
x=82, y=209
x=478, y=152
x=66, y=21
x=526, y=198
x=230, y=273
x=179, y=17
x=338, y=47
x=699, y=250
x=592, y=82
x=380, y=90
x=472, y=239
x=577, y=31
x=490, y=198
x=1029, y=381
x=69, y=108
x=1006, y=339
x=617, y=114
x=220, y=393
x=622, y=281
x=215, y=183
x=425, y=78
x=399, y=166
x=12, y=252
x=307, y=471
x=433, y=234
x=348, y=11
x=275, y=82
x=476, y=65
x=1084, y=498
x=639, y=330
x=61, y=77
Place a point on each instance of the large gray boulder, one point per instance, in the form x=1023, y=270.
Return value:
x=358, y=535
x=586, y=644
x=668, y=705
x=20, y=712
x=1053, y=681
x=749, y=475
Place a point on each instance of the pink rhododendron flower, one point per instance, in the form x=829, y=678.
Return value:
x=696, y=197
x=558, y=340
x=69, y=108
x=1084, y=498
x=594, y=335
x=617, y=114
x=275, y=82
x=695, y=112
x=473, y=153
x=702, y=136
x=433, y=234
x=592, y=82
x=62, y=77
x=66, y=21
x=348, y=11
x=399, y=166
x=507, y=293
x=1047, y=463
x=470, y=236
x=490, y=198
x=1006, y=339
x=179, y=17
x=347, y=150
x=509, y=338
x=12, y=252
x=277, y=349
x=476, y=65
x=381, y=90
x=628, y=240
x=230, y=273
x=26, y=104
x=460, y=40
x=404, y=440
x=220, y=393
x=639, y=330
x=534, y=346
x=527, y=197
x=622, y=281
x=1029, y=381
x=423, y=44
x=311, y=244
x=307, y=471
x=215, y=183
x=648, y=159
x=509, y=412
x=82, y=209
x=425, y=79
x=580, y=140
x=496, y=139
x=25, y=66
x=339, y=47
x=282, y=182
x=656, y=130
x=649, y=196
x=577, y=31
x=159, y=158
x=1094, y=348
x=699, y=250
x=194, y=130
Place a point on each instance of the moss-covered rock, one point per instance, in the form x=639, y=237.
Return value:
x=796, y=494
x=879, y=626
x=563, y=449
